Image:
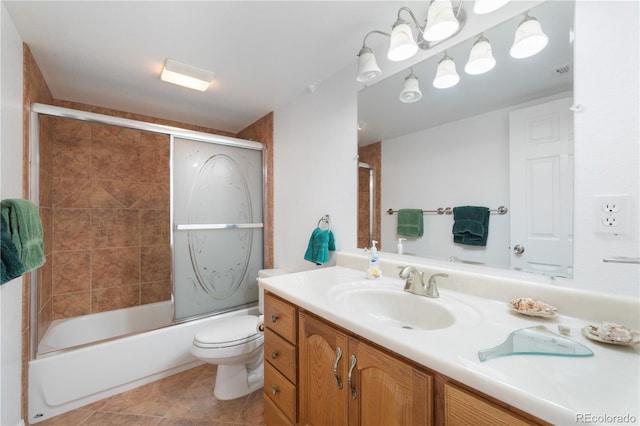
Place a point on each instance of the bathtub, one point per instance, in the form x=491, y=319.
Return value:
x=70, y=372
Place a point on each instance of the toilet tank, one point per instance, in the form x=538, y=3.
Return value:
x=266, y=273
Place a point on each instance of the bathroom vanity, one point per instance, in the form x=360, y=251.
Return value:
x=327, y=361
x=345, y=379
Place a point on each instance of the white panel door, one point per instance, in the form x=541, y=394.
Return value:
x=541, y=188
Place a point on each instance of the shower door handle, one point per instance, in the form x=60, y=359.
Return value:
x=205, y=226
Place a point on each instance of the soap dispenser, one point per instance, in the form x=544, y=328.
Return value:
x=373, y=271
x=400, y=247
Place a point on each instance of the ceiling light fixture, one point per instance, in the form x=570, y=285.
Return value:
x=443, y=22
x=482, y=7
x=411, y=90
x=186, y=75
x=481, y=57
x=529, y=38
x=446, y=76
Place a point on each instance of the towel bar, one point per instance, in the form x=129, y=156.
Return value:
x=448, y=210
x=621, y=259
x=325, y=219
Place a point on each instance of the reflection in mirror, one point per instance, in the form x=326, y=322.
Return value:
x=455, y=147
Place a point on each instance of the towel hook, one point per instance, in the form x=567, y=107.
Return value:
x=325, y=219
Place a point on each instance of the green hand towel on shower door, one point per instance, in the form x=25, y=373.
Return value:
x=11, y=264
x=25, y=228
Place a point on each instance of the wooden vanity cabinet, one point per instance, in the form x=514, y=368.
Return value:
x=464, y=407
x=280, y=355
x=317, y=373
x=345, y=381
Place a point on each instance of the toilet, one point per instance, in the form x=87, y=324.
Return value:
x=235, y=345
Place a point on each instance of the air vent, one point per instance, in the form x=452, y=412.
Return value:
x=561, y=70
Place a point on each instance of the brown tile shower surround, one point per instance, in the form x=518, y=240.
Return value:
x=184, y=399
x=370, y=154
x=35, y=90
x=110, y=234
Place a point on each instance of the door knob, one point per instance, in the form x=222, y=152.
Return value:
x=518, y=249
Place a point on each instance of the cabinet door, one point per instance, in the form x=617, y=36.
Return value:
x=387, y=391
x=462, y=408
x=322, y=392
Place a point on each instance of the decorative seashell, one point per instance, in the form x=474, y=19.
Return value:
x=529, y=306
x=613, y=332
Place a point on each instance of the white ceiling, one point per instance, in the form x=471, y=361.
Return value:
x=264, y=53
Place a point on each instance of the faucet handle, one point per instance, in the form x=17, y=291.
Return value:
x=432, y=278
x=432, y=288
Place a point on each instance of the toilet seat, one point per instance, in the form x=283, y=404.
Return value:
x=230, y=336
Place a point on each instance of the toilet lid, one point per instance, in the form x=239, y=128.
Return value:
x=229, y=332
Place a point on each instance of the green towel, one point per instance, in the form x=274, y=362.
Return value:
x=410, y=222
x=471, y=225
x=320, y=243
x=25, y=229
x=12, y=266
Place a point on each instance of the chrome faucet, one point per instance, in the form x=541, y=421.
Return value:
x=414, y=282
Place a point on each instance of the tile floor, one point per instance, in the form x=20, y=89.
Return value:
x=184, y=399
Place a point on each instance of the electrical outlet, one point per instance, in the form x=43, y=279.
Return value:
x=611, y=207
x=611, y=213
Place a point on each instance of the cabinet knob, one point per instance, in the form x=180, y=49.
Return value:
x=275, y=390
x=274, y=318
x=274, y=355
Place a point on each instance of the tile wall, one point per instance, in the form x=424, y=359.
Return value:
x=372, y=155
x=110, y=235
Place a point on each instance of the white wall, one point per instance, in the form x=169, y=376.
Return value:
x=10, y=187
x=607, y=140
x=315, y=162
x=321, y=126
x=465, y=162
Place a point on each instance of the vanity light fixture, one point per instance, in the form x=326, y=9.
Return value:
x=529, y=38
x=402, y=45
x=368, y=68
x=446, y=76
x=482, y=7
x=186, y=75
x=481, y=57
x=443, y=22
x=411, y=90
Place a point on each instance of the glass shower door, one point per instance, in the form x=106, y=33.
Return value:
x=217, y=212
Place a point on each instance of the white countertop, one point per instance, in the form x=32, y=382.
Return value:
x=560, y=390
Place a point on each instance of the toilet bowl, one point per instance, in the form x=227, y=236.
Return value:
x=235, y=345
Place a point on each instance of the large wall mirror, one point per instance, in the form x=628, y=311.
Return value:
x=502, y=138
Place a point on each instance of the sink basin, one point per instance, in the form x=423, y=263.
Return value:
x=393, y=307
